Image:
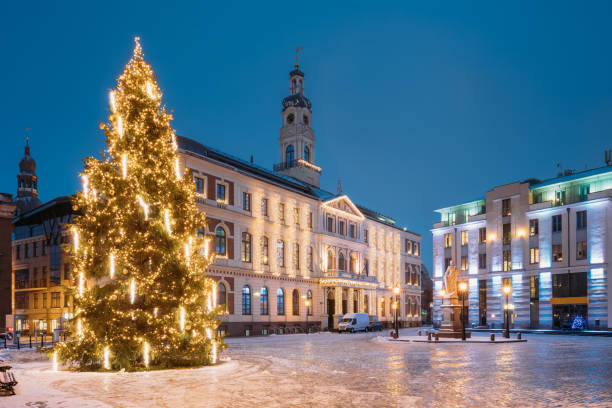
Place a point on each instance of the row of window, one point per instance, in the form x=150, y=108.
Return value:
x=412, y=247
x=31, y=250
x=263, y=296
x=290, y=150
x=39, y=277
x=40, y=300
x=412, y=274
x=534, y=230
x=339, y=226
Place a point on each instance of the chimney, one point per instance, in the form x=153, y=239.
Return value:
x=608, y=157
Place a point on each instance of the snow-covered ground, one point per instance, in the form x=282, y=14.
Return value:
x=335, y=370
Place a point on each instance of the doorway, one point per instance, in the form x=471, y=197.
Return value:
x=331, y=309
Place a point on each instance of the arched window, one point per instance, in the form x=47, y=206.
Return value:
x=222, y=295
x=306, y=120
x=295, y=299
x=220, y=241
x=264, y=250
x=280, y=253
x=330, y=260
x=382, y=307
x=290, y=118
x=341, y=262
x=289, y=154
x=309, y=308
x=365, y=303
x=246, y=247
x=263, y=301
x=246, y=300
x=280, y=302
x=306, y=153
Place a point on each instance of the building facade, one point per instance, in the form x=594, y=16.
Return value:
x=41, y=269
x=282, y=242
x=7, y=210
x=549, y=241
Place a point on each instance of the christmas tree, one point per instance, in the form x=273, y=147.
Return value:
x=141, y=298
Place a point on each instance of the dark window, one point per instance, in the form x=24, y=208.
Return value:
x=581, y=219
x=407, y=275
x=464, y=263
x=482, y=235
x=222, y=295
x=18, y=252
x=289, y=154
x=556, y=223
x=199, y=185
x=341, y=229
x=507, y=233
x=569, y=285
x=309, y=262
x=447, y=262
x=534, y=228
x=581, y=250
x=45, y=248
x=66, y=300
x=280, y=253
x=330, y=225
x=35, y=249
x=507, y=260
x=482, y=261
x=583, y=192
x=263, y=301
x=280, y=302
x=26, y=251
x=341, y=262
x=246, y=300
x=246, y=247
x=557, y=253
x=309, y=298
x=220, y=241
x=482, y=302
x=506, y=208
x=246, y=201
x=295, y=298
x=264, y=207
x=352, y=230
x=306, y=153
x=281, y=212
x=365, y=235
x=265, y=251
x=22, y=278
x=310, y=220
x=221, y=192
x=55, y=299
x=66, y=271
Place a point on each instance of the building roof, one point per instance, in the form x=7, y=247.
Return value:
x=61, y=205
x=287, y=182
x=573, y=176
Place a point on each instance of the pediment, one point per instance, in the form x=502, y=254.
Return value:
x=344, y=205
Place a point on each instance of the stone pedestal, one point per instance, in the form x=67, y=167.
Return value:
x=451, y=319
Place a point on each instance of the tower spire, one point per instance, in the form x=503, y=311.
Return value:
x=297, y=51
x=27, y=145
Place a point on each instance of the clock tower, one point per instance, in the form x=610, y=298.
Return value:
x=297, y=141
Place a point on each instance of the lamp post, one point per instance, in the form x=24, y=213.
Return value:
x=307, y=303
x=507, y=289
x=396, y=292
x=463, y=290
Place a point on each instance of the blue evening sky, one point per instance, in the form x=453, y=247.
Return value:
x=416, y=105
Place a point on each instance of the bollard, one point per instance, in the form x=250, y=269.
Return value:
x=41, y=340
x=518, y=336
x=5, y=341
x=30, y=341
x=492, y=336
x=18, y=343
x=437, y=337
x=420, y=333
x=428, y=336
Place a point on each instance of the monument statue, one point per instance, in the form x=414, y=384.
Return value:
x=450, y=279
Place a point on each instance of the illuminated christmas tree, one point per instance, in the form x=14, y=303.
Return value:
x=141, y=297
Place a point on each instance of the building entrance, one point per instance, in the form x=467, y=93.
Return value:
x=331, y=309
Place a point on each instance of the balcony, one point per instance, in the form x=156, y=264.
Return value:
x=337, y=273
x=296, y=163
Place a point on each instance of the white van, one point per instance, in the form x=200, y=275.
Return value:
x=352, y=322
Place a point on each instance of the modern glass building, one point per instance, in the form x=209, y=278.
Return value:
x=548, y=240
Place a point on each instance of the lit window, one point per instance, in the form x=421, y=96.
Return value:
x=264, y=250
x=581, y=250
x=199, y=185
x=448, y=240
x=221, y=192
x=246, y=300
x=280, y=302
x=246, y=247
x=534, y=228
x=220, y=241
x=464, y=237
x=289, y=155
x=280, y=253
x=246, y=201
x=557, y=253
x=534, y=255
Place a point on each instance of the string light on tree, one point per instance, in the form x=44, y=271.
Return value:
x=158, y=255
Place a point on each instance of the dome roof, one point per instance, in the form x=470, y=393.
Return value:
x=27, y=163
x=296, y=100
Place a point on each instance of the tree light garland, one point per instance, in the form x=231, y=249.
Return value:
x=124, y=165
x=111, y=98
x=79, y=328
x=182, y=318
x=150, y=91
x=120, y=127
x=132, y=291
x=75, y=239
x=112, y=265
x=177, y=168
x=167, y=221
x=214, y=353
x=107, y=365
x=81, y=284
x=145, y=352
x=144, y=206
x=85, y=181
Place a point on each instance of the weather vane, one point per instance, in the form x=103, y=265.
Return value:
x=297, y=51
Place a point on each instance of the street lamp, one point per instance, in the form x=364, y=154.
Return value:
x=307, y=303
x=463, y=290
x=396, y=292
x=507, y=289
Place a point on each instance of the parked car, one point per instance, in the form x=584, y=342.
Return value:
x=375, y=324
x=352, y=322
